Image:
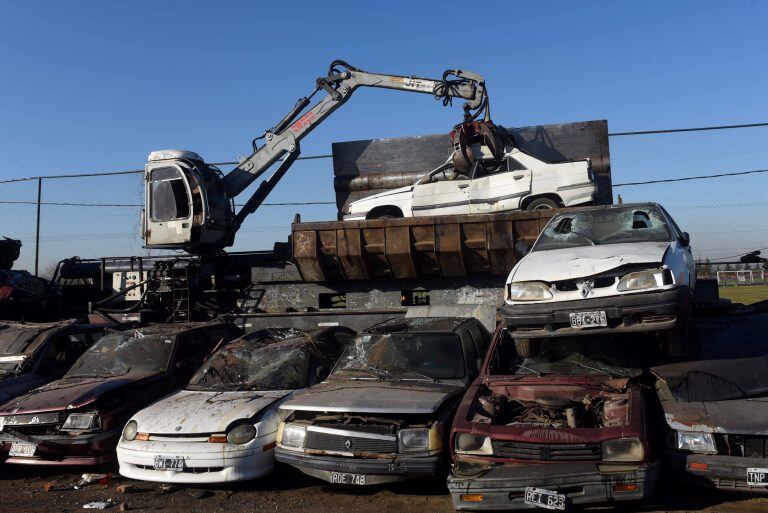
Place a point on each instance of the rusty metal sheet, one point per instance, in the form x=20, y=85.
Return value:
x=413, y=248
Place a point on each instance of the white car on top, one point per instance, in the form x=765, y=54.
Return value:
x=602, y=269
x=519, y=182
x=222, y=426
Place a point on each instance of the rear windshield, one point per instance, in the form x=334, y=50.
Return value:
x=123, y=353
x=249, y=365
x=604, y=226
x=404, y=356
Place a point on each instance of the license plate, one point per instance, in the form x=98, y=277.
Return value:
x=757, y=477
x=546, y=499
x=588, y=319
x=174, y=463
x=22, y=449
x=347, y=479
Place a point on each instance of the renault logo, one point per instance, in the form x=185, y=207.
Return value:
x=348, y=443
x=585, y=288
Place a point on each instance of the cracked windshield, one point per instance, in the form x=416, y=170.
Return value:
x=253, y=366
x=608, y=226
x=121, y=353
x=423, y=356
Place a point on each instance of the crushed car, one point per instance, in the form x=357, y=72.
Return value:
x=606, y=269
x=518, y=181
x=716, y=414
x=77, y=420
x=567, y=425
x=33, y=354
x=221, y=427
x=384, y=413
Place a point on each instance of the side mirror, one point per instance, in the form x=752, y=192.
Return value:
x=522, y=248
x=685, y=239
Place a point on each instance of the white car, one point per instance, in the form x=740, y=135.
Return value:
x=602, y=269
x=519, y=182
x=222, y=426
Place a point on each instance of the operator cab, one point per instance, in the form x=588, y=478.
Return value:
x=188, y=206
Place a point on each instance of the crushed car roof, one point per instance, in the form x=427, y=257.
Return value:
x=418, y=324
x=17, y=338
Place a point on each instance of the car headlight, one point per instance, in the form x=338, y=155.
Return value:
x=696, y=442
x=528, y=291
x=293, y=435
x=130, y=430
x=642, y=280
x=623, y=449
x=241, y=434
x=467, y=443
x=81, y=421
x=412, y=440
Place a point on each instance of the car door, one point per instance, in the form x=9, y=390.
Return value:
x=499, y=188
x=682, y=254
x=444, y=194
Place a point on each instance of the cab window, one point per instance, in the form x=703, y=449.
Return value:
x=168, y=195
x=62, y=352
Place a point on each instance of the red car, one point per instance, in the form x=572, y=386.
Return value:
x=568, y=425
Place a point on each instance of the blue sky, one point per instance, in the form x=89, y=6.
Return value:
x=90, y=86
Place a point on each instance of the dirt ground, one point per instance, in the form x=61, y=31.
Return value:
x=22, y=490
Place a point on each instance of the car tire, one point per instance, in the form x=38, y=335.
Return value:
x=542, y=204
x=527, y=347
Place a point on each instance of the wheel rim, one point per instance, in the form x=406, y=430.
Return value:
x=542, y=207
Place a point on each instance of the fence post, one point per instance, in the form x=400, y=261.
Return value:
x=37, y=230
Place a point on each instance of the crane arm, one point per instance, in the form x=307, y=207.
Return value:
x=282, y=141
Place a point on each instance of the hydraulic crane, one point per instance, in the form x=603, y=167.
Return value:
x=189, y=204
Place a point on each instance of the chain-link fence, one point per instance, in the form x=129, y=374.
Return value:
x=712, y=181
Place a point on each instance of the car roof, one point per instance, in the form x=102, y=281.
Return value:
x=418, y=324
x=24, y=337
x=613, y=206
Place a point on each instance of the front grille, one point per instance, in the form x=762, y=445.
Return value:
x=546, y=452
x=188, y=470
x=379, y=429
x=331, y=442
x=745, y=446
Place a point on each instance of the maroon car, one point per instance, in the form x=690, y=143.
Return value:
x=77, y=419
x=568, y=425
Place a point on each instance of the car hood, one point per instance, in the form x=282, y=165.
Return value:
x=69, y=393
x=386, y=194
x=11, y=387
x=374, y=397
x=198, y=412
x=570, y=263
x=715, y=396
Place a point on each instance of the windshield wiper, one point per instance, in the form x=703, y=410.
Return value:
x=380, y=373
x=589, y=367
x=587, y=238
x=521, y=366
x=420, y=374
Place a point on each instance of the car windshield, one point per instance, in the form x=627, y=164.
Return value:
x=418, y=356
x=251, y=365
x=604, y=226
x=122, y=353
x=442, y=173
x=574, y=356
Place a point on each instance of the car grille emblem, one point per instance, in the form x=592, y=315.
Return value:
x=348, y=443
x=585, y=288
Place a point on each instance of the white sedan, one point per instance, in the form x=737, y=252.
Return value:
x=602, y=269
x=519, y=182
x=222, y=426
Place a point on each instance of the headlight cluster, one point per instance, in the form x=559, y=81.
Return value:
x=623, y=450
x=528, y=291
x=81, y=422
x=643, y=280
x=293, y=435
x=696, y=442
x=467, y=443
x=241, y=433
x=130, y=430
x=413, y=440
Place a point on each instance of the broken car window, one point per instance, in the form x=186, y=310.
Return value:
x=250, y=365
x=604, y=226
x=168, y=195
x=120, y=353
x=13, y=342
x=575, y=356
x=430, y=356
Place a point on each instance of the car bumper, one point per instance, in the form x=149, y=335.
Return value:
x=376, y=470
x=87, y=449
x=583, y=483
x=722, y=472
x=644, y=311
x=203, y=462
